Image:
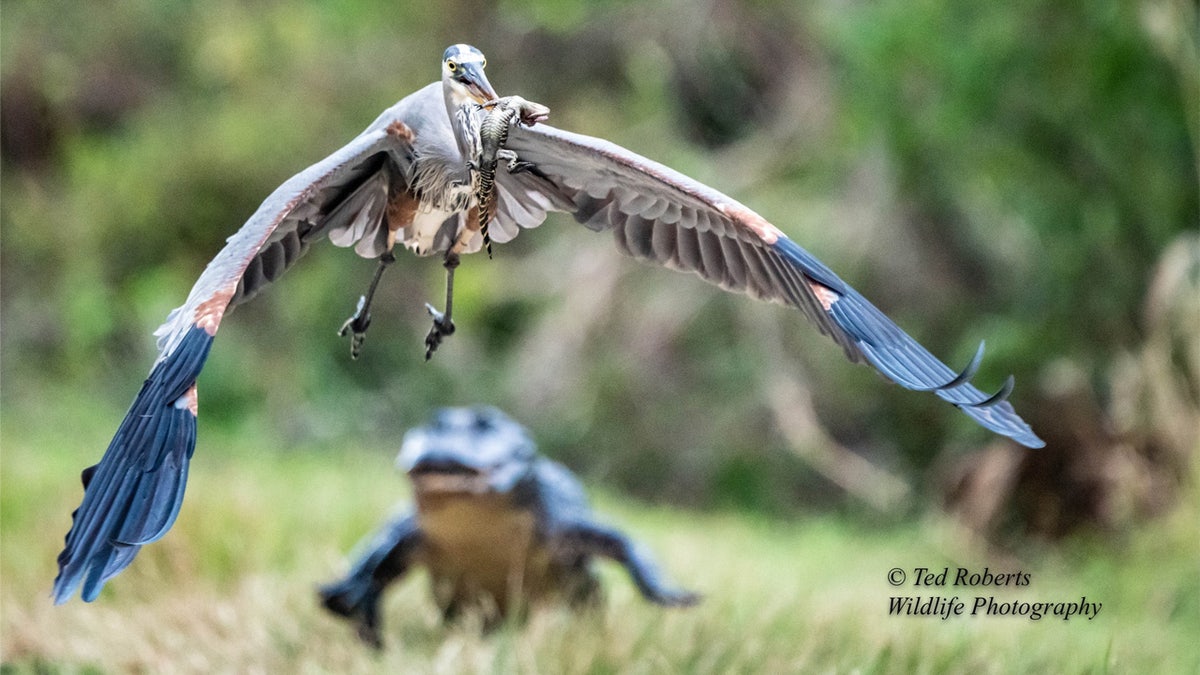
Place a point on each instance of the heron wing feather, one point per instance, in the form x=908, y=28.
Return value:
x=660, y=215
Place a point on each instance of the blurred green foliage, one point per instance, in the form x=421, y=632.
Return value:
x=980, y=170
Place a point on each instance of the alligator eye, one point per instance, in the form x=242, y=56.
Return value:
x=483, y=424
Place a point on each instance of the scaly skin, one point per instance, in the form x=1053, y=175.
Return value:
x=493, y=135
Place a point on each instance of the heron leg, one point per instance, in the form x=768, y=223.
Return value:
x=442, y=325
x=358, y=322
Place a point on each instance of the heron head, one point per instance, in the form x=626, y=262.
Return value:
x=462, y=74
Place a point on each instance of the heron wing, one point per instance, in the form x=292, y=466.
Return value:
x=660, y=215
x=344, y=196
x=132, y=496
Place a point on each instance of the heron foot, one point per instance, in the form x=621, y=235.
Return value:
x=442, y=328
x=356, y=326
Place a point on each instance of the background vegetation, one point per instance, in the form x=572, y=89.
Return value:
x=231, y=588
x=1023, y=172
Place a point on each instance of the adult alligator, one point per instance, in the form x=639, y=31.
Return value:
x=497, y=526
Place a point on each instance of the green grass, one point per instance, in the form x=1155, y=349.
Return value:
x=230, y=588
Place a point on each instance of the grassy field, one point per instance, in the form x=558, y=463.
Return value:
x=231, y=587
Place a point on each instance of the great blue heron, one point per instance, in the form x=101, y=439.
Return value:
x=408, y=179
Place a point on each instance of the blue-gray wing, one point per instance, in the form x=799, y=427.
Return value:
x=659, y=215
x=132, y=496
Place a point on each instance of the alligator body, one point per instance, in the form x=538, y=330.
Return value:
x=493, y=136
x=497, y=526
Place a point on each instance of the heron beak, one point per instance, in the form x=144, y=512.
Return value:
x=477, y=83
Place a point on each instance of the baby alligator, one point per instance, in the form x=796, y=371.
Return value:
x=493, y=135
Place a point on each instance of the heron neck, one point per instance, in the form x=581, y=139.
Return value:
x=464, y=120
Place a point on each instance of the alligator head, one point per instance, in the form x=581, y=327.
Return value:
x=476, y=450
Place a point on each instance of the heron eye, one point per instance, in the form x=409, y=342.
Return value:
x=452, y=66
x=483, y=63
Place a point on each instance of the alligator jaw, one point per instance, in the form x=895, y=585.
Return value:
x=450, y=483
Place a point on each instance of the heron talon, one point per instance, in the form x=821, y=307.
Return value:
x=356, y=326
x=442, y=328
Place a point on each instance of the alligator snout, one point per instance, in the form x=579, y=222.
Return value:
x=442, y=465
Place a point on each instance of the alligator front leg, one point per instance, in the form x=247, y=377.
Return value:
x=387, y=558
x=593, y=539
x=512, y=162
